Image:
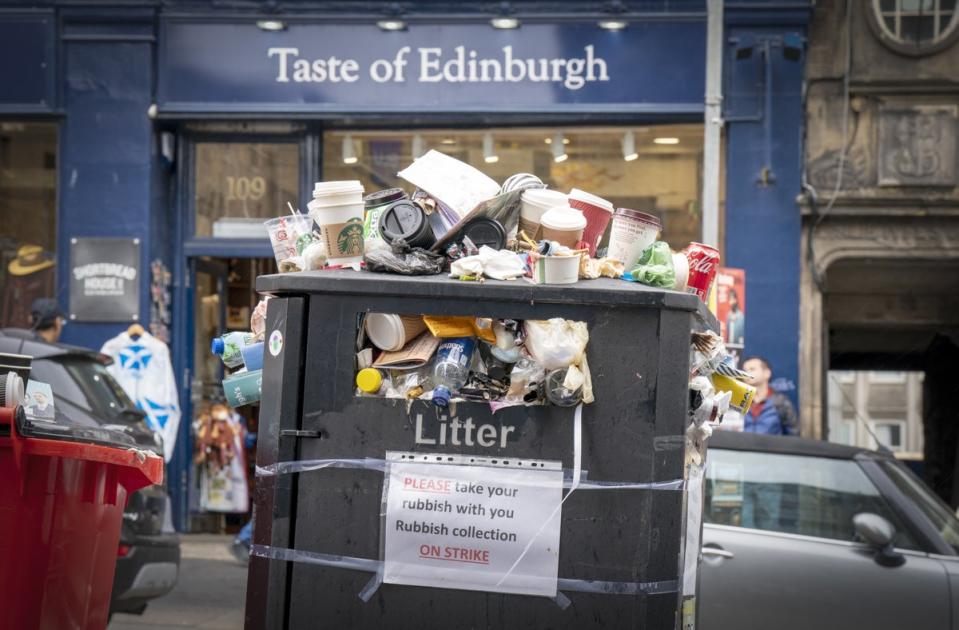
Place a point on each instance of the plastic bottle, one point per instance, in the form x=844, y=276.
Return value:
x=451, y=368
x=228, y=347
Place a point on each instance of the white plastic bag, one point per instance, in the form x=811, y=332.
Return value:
x=556, y=343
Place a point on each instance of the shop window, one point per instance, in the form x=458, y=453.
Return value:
x=652, y=169
x=915, y=27
x=28, y=216
x=241, y=184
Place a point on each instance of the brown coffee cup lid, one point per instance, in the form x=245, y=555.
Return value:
x=640, y=216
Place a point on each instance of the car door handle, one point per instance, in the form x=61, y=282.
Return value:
x=718, y=552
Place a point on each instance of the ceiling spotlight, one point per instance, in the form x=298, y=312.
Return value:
x=489, y=150
x=271, y=25
x=666, y=140
x=391, y=25
x=419, y=147
x=504, y=22
x=550, y=140
x=559, y=148
x=629, y=147
x=448, y=141
x=613, y=25
x=349, y=151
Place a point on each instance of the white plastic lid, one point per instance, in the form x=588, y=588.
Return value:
x=563, y=218
x=345, y=187
x=544, y=197
x=385, y=331
x=582, y=195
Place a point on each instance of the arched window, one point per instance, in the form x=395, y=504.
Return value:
x=915, y=27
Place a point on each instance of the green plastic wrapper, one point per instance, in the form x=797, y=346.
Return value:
x=655, y=267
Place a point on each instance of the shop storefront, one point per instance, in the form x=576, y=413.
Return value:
x=187, y=129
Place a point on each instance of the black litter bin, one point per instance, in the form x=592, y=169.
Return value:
x=621, y=550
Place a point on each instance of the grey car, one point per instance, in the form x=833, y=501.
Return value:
x=802, y=534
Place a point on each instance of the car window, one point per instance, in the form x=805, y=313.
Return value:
x=943, y=519
x=795, y=494
x=84, y=384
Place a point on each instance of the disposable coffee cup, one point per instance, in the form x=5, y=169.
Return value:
x=742, y=394
x=338, y=210
x=284, y=232
x=243, y=388
x=564, y=225
x=556, y=270
x=391, y=332
x=631, y=233
x=598, y=213
x=535, y=203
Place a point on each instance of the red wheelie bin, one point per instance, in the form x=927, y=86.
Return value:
x=62, y=495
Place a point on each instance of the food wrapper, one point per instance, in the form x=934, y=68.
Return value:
x=450, y=327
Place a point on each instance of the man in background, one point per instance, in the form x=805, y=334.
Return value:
x=46, y=319
x=771, y=413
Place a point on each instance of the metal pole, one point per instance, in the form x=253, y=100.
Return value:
x=713, y=122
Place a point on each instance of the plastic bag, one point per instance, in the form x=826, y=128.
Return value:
x=556, y=343
x=258, y=319
x=404, y=260
x=655, y=267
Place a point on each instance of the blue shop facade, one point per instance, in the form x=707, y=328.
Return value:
x=176, y=128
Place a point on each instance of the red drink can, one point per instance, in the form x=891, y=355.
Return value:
x=703, y=263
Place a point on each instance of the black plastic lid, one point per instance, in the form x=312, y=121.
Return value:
x=405, y=220
x=485, y=231
x=382, y=197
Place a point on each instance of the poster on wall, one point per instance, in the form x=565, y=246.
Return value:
x=731, y=306
x=104, y=279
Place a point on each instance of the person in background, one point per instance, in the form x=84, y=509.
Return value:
x=46, y=319
x=771, y=413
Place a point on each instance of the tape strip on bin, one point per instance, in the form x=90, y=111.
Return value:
x=372, y=463
x=376, y=566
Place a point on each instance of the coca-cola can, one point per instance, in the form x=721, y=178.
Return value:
x=703, y=263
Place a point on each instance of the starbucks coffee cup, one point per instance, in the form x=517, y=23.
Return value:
x=392, y=332
x=338, y=210
x=564, y=225
x=535, y=203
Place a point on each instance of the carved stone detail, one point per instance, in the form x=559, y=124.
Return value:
x=917, y=145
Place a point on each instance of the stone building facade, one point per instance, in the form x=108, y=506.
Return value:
x=880, y=237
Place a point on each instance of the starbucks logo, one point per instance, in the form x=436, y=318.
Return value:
x=349, y=242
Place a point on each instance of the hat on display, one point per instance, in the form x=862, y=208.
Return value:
x=30, y=259
x=44, y=312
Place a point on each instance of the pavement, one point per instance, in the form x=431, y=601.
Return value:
x=210, y=591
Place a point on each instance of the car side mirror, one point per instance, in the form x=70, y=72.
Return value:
x=880, y=534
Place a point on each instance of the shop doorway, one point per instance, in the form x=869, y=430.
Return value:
x=224, y=296
x=892, y=335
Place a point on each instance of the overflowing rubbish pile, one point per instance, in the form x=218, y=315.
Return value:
x=445, y=359
x=459, y=222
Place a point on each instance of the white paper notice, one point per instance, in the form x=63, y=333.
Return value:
x=455, y=183
x=466, y=526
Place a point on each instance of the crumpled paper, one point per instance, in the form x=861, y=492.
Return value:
x=499, y=265
x=592, y=268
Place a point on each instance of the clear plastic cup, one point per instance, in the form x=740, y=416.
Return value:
x=284, y=231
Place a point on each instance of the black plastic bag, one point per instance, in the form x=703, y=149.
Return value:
x=406, y=261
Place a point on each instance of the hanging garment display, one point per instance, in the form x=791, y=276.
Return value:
x=141, y=364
